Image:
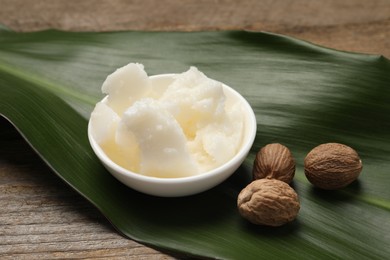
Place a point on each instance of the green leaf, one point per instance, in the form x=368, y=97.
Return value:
x=303, y=95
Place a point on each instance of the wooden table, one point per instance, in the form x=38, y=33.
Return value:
x=40, y=216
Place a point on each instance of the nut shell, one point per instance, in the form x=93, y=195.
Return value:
x=332, y=166
x=274, y=161
x=268, y=202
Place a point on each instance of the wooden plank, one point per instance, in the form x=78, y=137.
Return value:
x=42, y=218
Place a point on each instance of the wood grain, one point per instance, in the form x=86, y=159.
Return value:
x=43, y=218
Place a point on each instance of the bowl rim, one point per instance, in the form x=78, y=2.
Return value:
x=236, y=159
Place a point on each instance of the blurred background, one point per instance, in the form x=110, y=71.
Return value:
x=353, y=25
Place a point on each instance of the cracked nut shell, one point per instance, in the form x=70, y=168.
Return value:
x=274, y=161
x=268, y=202
x=332, y=166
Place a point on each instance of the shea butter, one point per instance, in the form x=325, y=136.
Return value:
x=183, y=127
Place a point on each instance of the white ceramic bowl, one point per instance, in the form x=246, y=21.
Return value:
x=183, y=186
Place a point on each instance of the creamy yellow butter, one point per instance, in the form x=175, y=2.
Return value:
x=183, y=127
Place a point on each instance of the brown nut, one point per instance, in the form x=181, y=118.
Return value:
x=332, y=166
x=274, y=161
x=268, y=202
